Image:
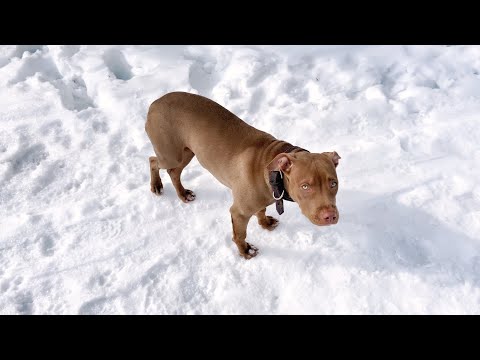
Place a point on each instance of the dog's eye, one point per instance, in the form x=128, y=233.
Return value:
x=333, y=184
x=305, y=187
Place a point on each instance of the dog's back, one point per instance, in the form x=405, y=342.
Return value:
x=180, y=120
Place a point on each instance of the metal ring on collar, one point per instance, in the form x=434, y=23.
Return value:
x=281, y=196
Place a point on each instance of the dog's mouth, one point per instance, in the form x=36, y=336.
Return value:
x=322, y=223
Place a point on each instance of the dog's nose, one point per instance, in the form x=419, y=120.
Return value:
x=329, y=216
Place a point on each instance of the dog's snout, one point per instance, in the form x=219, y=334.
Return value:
x=328, y=216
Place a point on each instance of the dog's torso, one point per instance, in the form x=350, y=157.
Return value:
x=233, y=151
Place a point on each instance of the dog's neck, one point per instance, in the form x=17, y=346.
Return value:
x=276, y=179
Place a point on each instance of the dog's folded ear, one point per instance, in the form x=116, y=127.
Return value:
x=334, y=156
x=282, y=161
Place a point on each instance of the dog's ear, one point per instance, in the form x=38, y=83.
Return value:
x=334, y=156
x=281, y=162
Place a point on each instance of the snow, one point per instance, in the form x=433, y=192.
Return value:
x=81, y=233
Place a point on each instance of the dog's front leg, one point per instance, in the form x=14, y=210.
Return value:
x=240, y=219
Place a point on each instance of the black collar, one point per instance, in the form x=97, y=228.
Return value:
x=279, y=192
x=275, y=179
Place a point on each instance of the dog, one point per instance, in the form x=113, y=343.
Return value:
x=258, y=168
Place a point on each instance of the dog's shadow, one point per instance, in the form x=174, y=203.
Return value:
x=378, y=233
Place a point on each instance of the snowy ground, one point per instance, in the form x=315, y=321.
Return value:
x=81, y=233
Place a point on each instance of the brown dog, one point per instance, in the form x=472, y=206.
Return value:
x=253, y=164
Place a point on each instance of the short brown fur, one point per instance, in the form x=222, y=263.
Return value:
x=182, y=125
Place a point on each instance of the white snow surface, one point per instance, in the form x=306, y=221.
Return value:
x=81, y=233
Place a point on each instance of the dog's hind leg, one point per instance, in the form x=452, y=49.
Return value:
x=184, y=194
x=156, y=185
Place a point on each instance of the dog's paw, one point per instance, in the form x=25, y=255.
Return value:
x=188, y=196
x=251, y=251
x=157, y=189
x=270, y=224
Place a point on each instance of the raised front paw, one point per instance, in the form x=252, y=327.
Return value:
x=270, y=223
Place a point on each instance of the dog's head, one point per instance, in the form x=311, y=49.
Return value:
x=311, y=180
